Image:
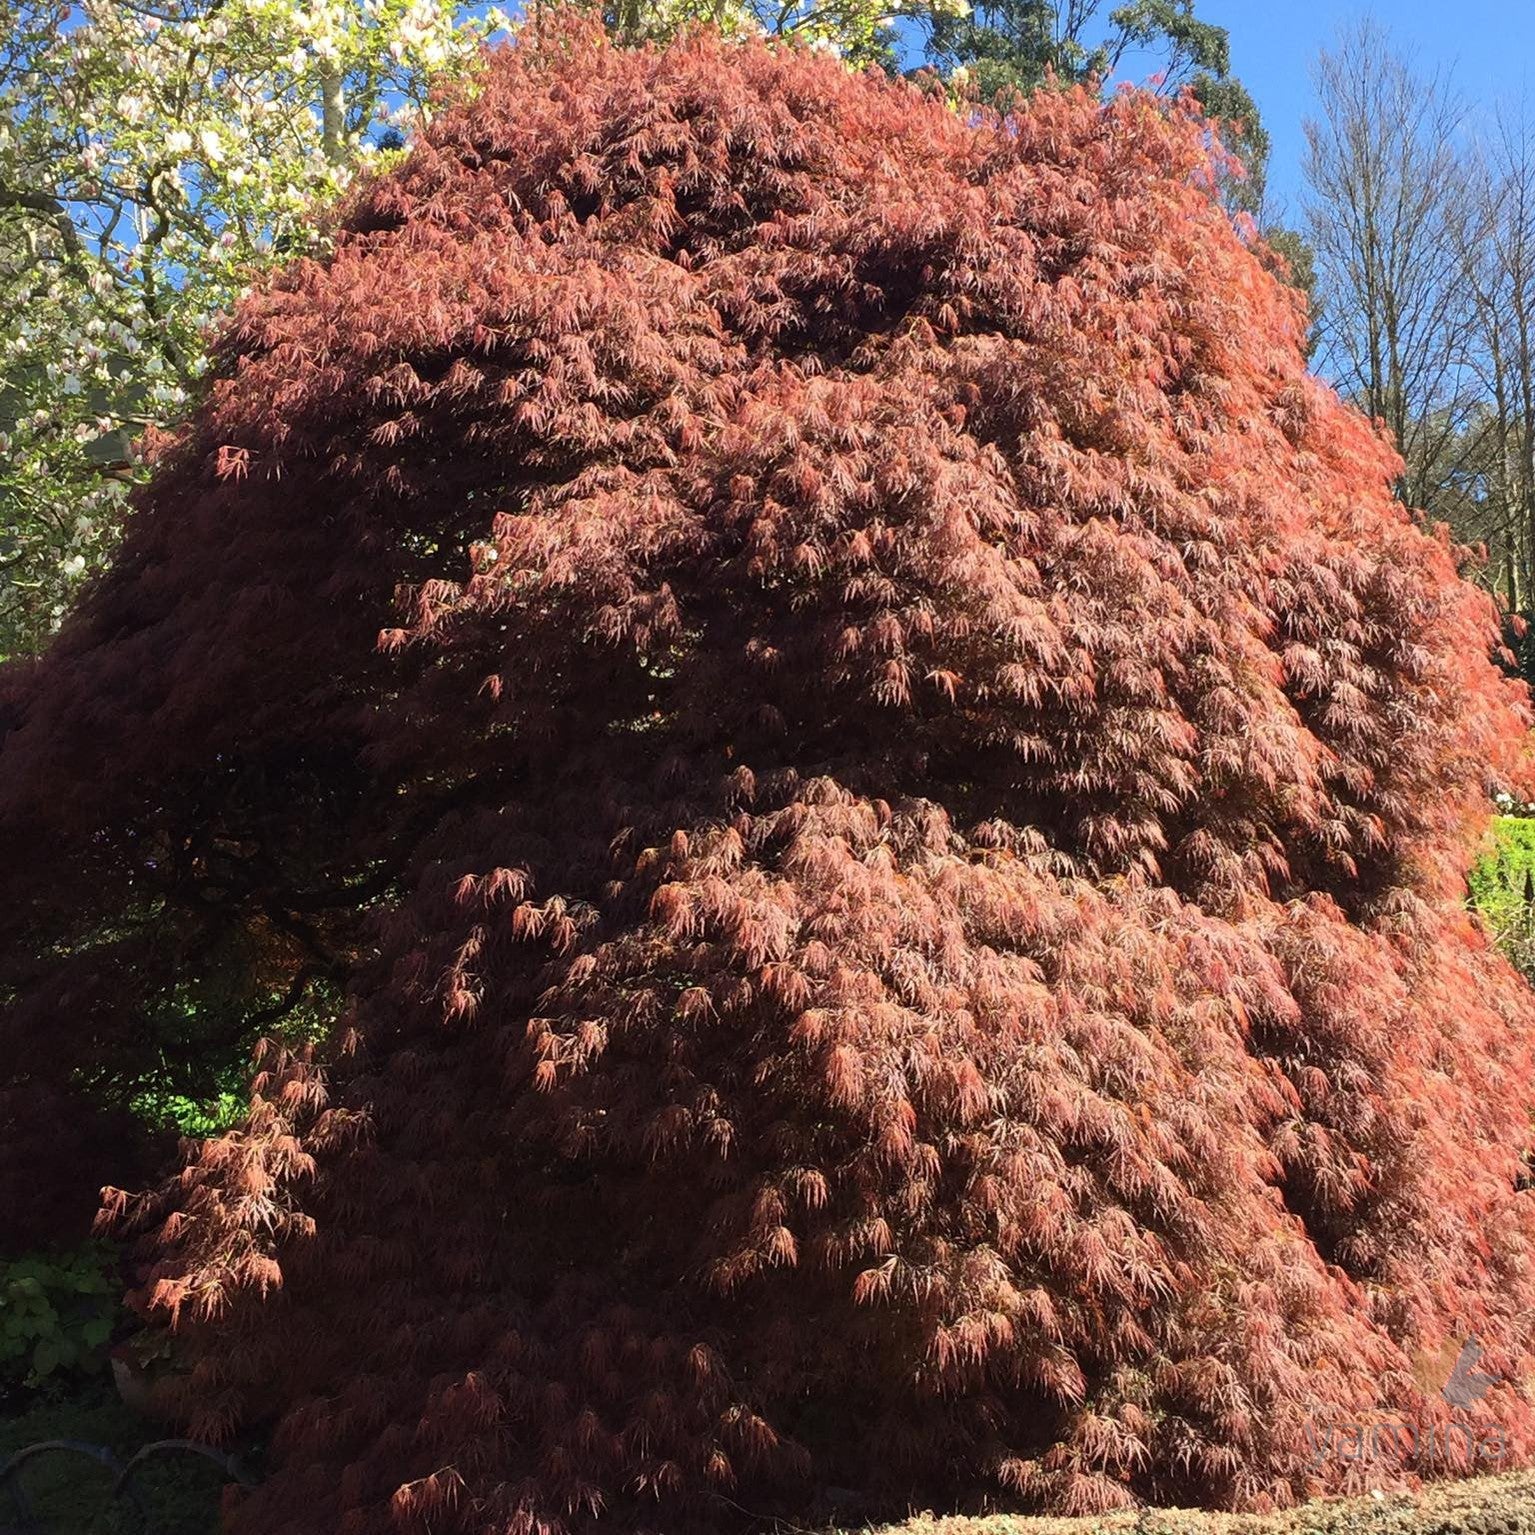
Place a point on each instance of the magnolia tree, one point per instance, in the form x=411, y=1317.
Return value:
x=152, y=159
x=885, y=789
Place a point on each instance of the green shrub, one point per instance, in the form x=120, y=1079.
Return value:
x=197, y=1117
x=57, y=1312
x=1502, y=884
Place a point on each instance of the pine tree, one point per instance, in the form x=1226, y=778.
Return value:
x=888, y=789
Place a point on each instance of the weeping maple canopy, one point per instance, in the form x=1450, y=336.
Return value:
x=888, y=790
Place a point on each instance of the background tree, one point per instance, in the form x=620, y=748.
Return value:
x=1423, y=220
x=1386, y=209
x=1497, y=255
x=1016, y=44
x=859, y=31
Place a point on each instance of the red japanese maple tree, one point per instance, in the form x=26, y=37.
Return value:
x=888, y=790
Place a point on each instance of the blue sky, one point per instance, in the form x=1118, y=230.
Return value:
x=1489, y=43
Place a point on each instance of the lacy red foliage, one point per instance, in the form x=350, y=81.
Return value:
x=898, y=866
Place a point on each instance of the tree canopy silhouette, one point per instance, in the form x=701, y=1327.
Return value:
x=888, y=791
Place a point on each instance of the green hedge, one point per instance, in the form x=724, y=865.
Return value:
x=1503, y=880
